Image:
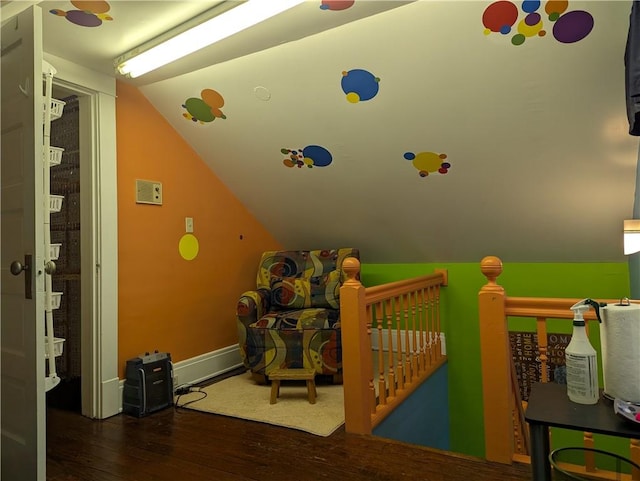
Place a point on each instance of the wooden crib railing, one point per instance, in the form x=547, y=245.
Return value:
x=505, y=431
x=393, y=330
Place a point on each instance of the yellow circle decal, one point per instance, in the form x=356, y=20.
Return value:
x=188, y=247
x=353, y=97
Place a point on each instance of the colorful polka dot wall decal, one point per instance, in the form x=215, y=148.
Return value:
x=88, y=13
x=336, y=4
x=428, y=162
x=205, y=109
x=188, y=247
x=505, y=18
x=573, y=26
x=359, y=85
x=311, y=156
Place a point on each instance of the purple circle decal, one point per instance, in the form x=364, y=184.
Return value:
x=573, y=26
x=83, y=19
x=532, y=19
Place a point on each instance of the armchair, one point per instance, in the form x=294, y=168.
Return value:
x=292, y=319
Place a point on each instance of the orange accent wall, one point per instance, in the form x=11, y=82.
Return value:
x=165, y=302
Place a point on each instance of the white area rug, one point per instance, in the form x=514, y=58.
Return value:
x=240, y=397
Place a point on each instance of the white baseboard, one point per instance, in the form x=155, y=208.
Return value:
x=394, y=339
x=202, y=367
x=111, y=398
x=205, y=366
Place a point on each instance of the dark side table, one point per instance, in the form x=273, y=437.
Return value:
x=549, y=405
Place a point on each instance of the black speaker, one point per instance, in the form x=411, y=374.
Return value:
x=148, y=386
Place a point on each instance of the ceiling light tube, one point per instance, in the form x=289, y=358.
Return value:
x=207, y=33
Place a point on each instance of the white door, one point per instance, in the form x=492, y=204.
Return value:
x=22, y=368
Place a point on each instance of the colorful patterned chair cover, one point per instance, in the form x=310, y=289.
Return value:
x=292, y=319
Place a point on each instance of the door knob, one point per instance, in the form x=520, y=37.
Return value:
x=17, y=267
x=50, y=267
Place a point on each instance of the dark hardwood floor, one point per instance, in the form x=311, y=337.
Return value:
x=176, y=445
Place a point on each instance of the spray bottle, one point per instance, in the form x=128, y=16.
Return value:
x=581, y=360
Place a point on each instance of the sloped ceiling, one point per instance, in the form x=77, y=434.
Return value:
x=523, y=134
x=541, y=165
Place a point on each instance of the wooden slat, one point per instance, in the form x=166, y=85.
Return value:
x=589, y=456
x=520, y=430
x=437, y=330
x=391, y=363
x=549, y=308
x=425, y=313
x=392, y=289
x=382, y=388
x=400, y=358
x=541, y=329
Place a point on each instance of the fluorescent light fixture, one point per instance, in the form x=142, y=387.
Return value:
x=631, y=236
x=234, y=20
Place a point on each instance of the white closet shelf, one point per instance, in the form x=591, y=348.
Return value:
x=54, y=251
x=57, y=106
x=58, y=346
x=55, y=155
x=55, y=202
x=56, y=297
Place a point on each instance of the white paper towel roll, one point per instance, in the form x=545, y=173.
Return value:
x=620, y=338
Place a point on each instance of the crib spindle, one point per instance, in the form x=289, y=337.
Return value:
x=541, y=328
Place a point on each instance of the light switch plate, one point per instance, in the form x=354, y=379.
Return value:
x=188, y=224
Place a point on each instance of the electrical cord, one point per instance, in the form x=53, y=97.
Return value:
x=183, y=390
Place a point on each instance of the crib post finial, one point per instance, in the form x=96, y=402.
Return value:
x=491, y=267
x=351, y=266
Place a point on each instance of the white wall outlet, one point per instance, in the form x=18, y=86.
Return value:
x=188, y=224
